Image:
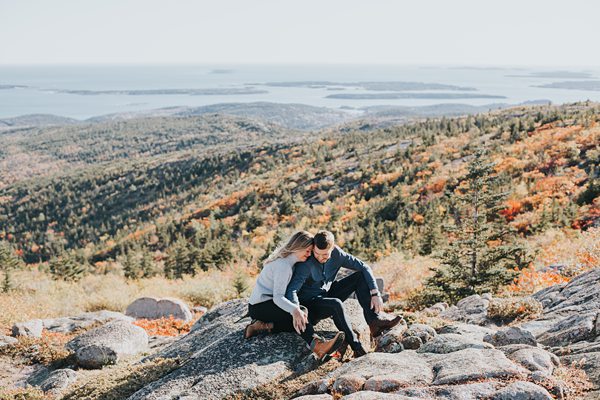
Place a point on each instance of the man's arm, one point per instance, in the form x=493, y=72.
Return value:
x=351, y=262
x=301, y=273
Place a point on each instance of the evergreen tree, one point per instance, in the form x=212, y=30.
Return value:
x=8, y=263
x=481, y=254
x=131, y=265
x=65, y=267
x=178, y=261
x=147, y=264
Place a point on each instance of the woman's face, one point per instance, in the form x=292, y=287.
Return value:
x=303, y=254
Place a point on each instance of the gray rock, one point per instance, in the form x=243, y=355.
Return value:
x=471, y=364
x=154, y=308
x=522, y=391
x=574, y=328
x=475, y=332
x=450, y=342
x=320, y=386
x=83, y=321
x=314, y=397
x=411, y=343
x=31, y=328
x=470, y=391
x=370, y=395
x=108, y=344
x=557, y=388
x=436, y=309
x=512, y=335
x=58, y=380
x=347, y=384
x=589, y=362
x=535, y=359
x=391, y=341
x=385, y=372
x=220, y=362
x=472, y=309
x=422, y=331
x=7, y=341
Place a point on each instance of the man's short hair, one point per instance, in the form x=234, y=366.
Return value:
x=324, y=240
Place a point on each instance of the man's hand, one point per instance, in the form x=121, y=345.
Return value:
x=300, y=320
x=376, y=304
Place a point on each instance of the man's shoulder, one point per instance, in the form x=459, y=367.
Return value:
x=305, y=264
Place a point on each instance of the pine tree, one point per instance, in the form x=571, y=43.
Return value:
x=8, y=263
x=481, y=254
x=147, y=264
x=65, y=267
x=131, y=265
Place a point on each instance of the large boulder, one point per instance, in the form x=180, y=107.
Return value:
x=83, y=321
x=154, y=308
x=469, y=391
x=573, y=328
x=108, y=344
x=220, y=362
x=473, y=364
x=31, y=328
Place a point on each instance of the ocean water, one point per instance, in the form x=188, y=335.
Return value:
x=41, y=89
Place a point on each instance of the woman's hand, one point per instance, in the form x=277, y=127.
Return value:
x=300, y=320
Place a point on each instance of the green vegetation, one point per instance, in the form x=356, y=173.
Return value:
x=177, y=196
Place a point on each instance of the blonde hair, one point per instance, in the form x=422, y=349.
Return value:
x=298, y=241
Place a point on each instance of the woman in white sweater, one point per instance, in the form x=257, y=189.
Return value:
x=272, y=312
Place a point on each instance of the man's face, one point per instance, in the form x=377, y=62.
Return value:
x=322, y=255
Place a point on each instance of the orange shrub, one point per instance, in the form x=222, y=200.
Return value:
x=165, y=326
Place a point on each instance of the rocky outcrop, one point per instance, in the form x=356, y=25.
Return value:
x=154, y=308
x=108, y=344
x=220, y=362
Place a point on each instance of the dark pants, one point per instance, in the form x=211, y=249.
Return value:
x=331, y=305
x=268, y=311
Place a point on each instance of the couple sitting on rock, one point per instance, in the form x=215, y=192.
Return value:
x=297, y=288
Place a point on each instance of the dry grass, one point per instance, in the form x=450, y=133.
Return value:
x=577, y=251
x=120, y=381
x=22, y=394
x=39, y=296
x=48, y=350
x=575, y=379
x=403, y=275
x=511, y=309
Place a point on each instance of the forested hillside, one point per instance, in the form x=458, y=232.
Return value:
x=180, y=195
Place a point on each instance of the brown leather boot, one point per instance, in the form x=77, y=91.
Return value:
x=377, y=326
x=324, y=348
x=257, y=327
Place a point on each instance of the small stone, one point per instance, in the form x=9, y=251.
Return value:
x=31, y=328
x=58, y=381
x=7, y=341
x=512, y=335
x=347, y=384
x=315, y=387
x=411, y=342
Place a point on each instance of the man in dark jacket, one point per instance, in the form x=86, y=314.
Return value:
x=313, y=285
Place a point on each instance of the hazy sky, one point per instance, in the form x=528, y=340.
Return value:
x=507, y=32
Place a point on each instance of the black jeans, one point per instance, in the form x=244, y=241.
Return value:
x=331, y=305
x=268, y=311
